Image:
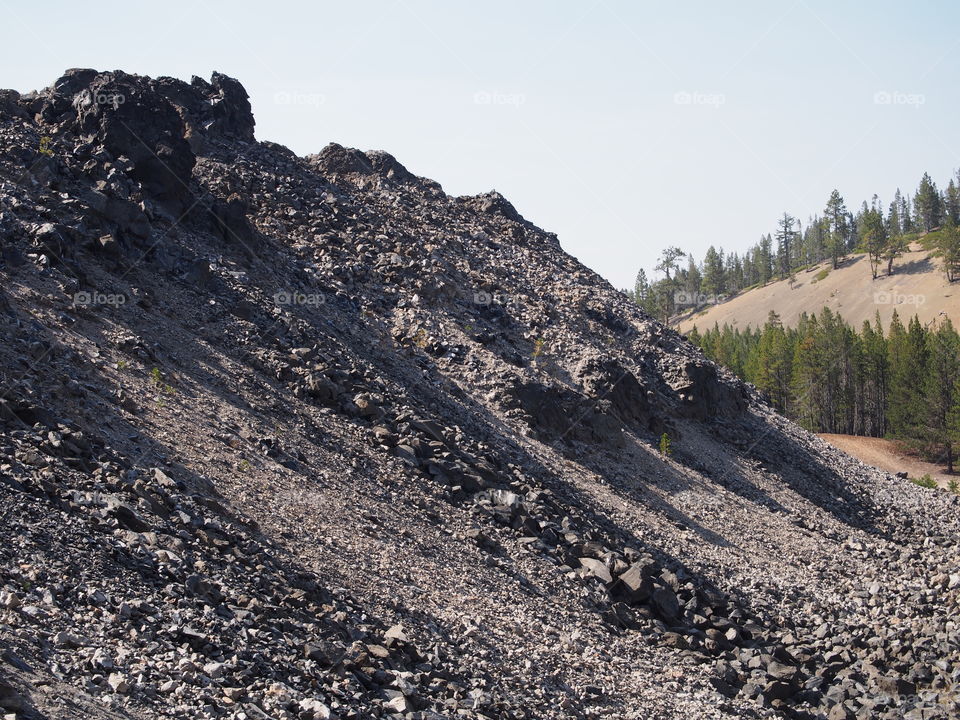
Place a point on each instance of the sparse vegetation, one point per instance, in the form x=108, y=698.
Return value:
x=926, y=481
x=156, y=379
x=665, y=448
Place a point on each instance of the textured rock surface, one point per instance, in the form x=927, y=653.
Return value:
x=291, y=437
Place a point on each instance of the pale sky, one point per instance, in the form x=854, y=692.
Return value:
x=621, y=126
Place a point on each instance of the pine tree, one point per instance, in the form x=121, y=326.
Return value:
x=943, y=373
x=773, y=363
x=807, y=372
x=840, y=351
x=874, y=384
x=693, y=281
x=785, y=236
x=835, y=216
x=668, y=260
x=641, y=288
x=906, y=217
x=750, y=274
x=893, y=220
x=814, y=249
x=662, y=295
x=873, y=234
x=927, y=204
x=734, y=273
x=908, y=366
x=765, y=260
x=714, y=282
x=948, y=249
x=895, y=245
x=953, y=418
x=951, y=199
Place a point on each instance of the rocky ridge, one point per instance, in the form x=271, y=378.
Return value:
x=307, y=438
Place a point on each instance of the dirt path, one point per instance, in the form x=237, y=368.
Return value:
x=886, y=455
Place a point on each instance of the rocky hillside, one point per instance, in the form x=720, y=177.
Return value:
x=305, y=437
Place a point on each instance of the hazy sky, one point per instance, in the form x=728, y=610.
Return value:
x=621, y=126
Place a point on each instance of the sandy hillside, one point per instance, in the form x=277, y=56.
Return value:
x=886, y=455
x=918, y=286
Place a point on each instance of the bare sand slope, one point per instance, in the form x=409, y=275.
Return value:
x=887, y=455
x=918, y=286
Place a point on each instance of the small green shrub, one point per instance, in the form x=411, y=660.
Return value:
x=156, y=377
x=665, y=448
x=821, y=275
x=953, y=486
x=926, y=481
x=928, y=241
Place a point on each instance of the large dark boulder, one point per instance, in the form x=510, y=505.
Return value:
x=337, y=160
x=128, y=118
x=10, y=105
x=630, y=400
x=216, y=109
x=559, y=415
x=230, y=218
x=493, y=203
x=230, y=109
x=704, y=394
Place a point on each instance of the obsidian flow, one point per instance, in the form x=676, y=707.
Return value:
x=202, y=332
